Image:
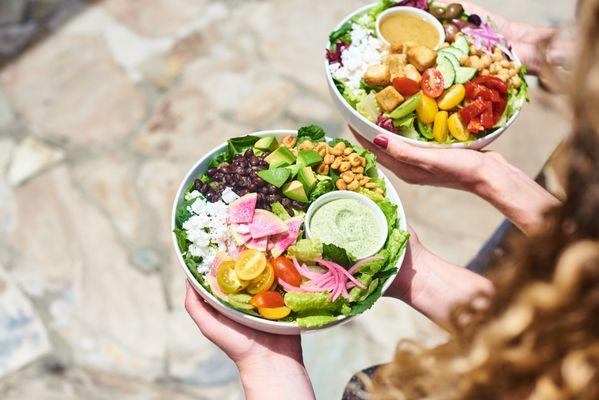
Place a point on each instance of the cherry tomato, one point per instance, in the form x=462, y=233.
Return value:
x=406, y=86
x=426, y=110
x=457, y=128
x=268, y=299
x=263, y=282
x=274, y=313
x=285, y=270
x=227, y=278
x=452, y=97
x=250, y=264
x=492, y=82
x=432, y=83
x=440, y=127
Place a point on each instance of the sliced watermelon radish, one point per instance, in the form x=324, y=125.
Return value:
x=240, y=228
x=240, y=238
x=258, y=244
x=241, y=211
x=284, y=240
x=266, y=224
x=233, y=250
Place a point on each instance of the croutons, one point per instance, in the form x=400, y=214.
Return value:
x=377, y=75
x=396, y=63
x=397, y=48
x=389, y=98
x=421, y=57
x=411, y=72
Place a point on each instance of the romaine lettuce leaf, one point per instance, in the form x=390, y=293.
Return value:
x=306, y=249
x=322, y=186
x=312, y=132
x=369, y=108
x=314, y=321
x=337, y=255
x=313, y=303
x=395, y=244
x=240, y=144
x=388, y=208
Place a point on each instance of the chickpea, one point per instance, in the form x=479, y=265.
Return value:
x=505, y=63
x=484, y=72
x=503, y=77
x=289, y=141
x=486, y=60
x=493, y=68
x=353, y=186
x=328, y=159
x=516, y=82
x=464, y=59
x=497, y=56
x=337, y=163
x=512, y=73
x=341, y=185
x=323, y=169
x=345, y=166
x=347, y=176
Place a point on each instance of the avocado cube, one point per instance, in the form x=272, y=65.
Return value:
x=278, y=164
x=295, y=191
x=275, y=176
x=280, y=154
x=268, y=143
x=307, y=177
x=293, y=169
x=308, y=158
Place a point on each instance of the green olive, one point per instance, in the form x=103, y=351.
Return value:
x=438, y=12
x=454, y=10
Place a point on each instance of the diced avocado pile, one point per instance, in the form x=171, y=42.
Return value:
x=448, y=63
x=293, y=174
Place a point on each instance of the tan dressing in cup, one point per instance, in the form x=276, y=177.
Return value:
x=401, y=27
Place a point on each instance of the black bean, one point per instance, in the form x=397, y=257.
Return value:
x=247, y=171
x=211, y=172
x=228, y=178
x=289, y=210
x=264, y=164
x=243, y=192
x=259, y=181
x=239, y=171
x=261, y=197
x=197, y=184
x=225, y=169
x=263, y=189
x=252, y=187
x=264, y=155
x=254, y=160
x=272, y=189
x=218, y=176
x=285, y=202
x=242, y=163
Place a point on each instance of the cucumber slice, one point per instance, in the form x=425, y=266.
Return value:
x=455, y=62
x=453, y=51
x=407, y=106
x=446, y=69
x=461, y=43
x=425, y=130
x=464, y=74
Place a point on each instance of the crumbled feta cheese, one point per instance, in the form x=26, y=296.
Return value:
x=229, y=195
x=192, y=195
x=365, y=50
x=207, y=231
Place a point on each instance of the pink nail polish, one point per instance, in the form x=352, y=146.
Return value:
x=381, y=141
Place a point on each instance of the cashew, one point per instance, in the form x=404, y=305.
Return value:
x=378, y=191
x=347, y=176
x=359, y=177
x=348, y=151
x=322, y=169
x=363, y=161
x=328, y=159
x=341, y=185
x=358, y=170
x=364, y=181
x=345, y=165
x=354, y=160
x=289, y=141
x=370, y=185
x=337, y=163
x=306, y=145
x=338, y=149
x=353, y=186
x=322, y=152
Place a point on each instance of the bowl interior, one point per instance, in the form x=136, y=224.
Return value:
x=250, y=320
x=411, y=10
x=371, y=130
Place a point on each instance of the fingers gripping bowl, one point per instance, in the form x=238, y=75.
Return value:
x=432, y=76
x=240, y=222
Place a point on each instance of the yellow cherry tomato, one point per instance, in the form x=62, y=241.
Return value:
x=440, y=127
x=263, y=282
x=274, y=313
x=227, y=279
x=250, y=264
x=457, y=128
x=426, y=110
x=452, y=97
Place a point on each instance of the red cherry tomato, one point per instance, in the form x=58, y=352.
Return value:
x=406, y=86
x=285, y=270
x=268, y=300
x=432, y=83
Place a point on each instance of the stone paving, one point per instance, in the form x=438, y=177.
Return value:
x=100, y=121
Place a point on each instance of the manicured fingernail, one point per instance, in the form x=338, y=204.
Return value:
x=381, y=141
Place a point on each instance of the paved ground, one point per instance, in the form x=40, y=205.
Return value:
x=99, y=122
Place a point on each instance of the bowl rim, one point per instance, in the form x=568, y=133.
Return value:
x=262, y=321
x=458, y=145
x=398, y=9
x=344, y=194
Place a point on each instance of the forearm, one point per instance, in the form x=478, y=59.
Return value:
x=515, y=195
x=433, y=286
x=278, y=377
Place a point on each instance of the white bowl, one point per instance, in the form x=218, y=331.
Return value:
x=281, y=328
x=412, y=10
x=344, y=194
x=370, y=130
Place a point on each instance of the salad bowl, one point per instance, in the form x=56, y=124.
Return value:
x=212, y=292
x=356, y=45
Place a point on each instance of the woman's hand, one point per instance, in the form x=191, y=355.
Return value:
x=484, y=173
x=524, y=38
x=271, y=366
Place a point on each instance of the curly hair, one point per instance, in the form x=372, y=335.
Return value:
x=538, y=335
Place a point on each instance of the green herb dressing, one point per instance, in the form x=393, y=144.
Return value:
x=347, y=223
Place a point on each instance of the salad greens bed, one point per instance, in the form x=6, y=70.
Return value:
x=468, y=87
x=240, y=229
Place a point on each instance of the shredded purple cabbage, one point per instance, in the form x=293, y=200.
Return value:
x=335, y=56
x=386, y=123
x=422, y=4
